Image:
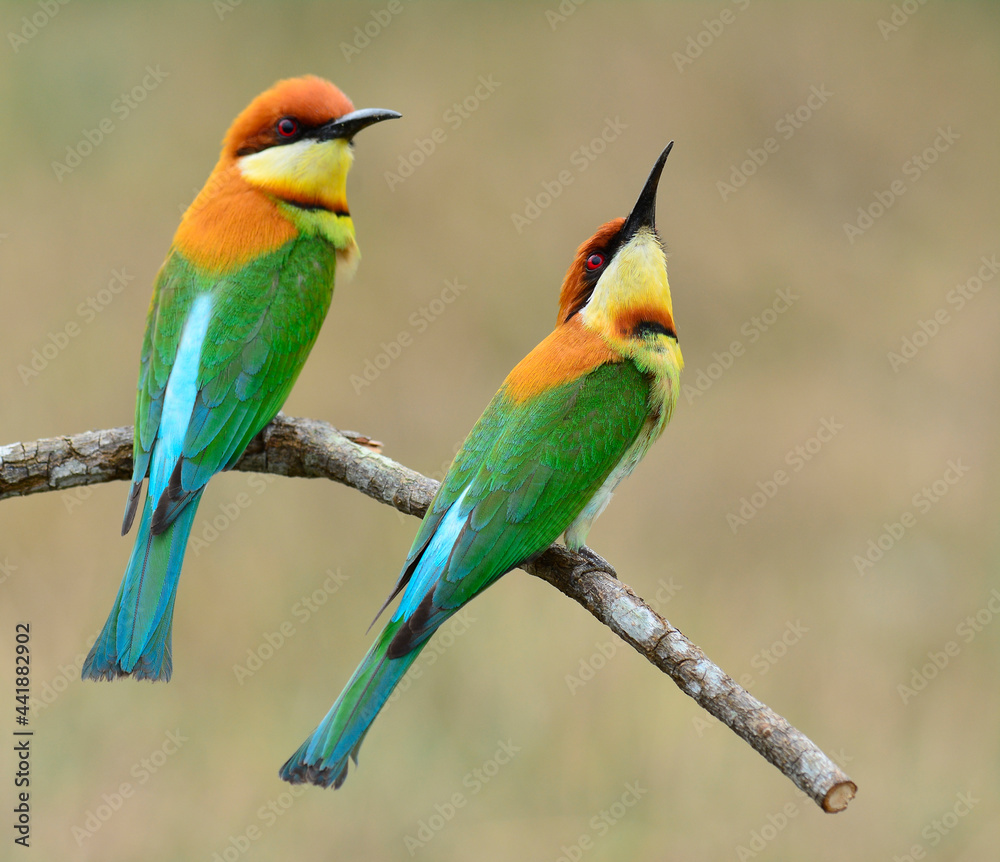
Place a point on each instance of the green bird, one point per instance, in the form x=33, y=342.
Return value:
x=570, y=422
x=236, y=309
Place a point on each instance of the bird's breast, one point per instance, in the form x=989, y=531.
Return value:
x=230, y=224
x=568, y=352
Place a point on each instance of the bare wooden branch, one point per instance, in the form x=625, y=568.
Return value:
x=312, y=449
x=635, y=622
x=287, y=447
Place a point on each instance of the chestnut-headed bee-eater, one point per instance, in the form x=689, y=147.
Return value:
x=570, y=422
x=236, y=308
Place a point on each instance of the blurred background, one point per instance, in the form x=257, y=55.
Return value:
x=830, y=209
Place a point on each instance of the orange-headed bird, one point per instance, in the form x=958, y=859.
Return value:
x=236, y=309
x=569, y=423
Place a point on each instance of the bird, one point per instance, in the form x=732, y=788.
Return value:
x=571, y=420
x=236, y=308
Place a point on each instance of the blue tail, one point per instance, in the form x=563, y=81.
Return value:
x=136, y=638
x=323, y=758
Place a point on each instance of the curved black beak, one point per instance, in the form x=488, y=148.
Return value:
x=350, y=124
x=644, y=212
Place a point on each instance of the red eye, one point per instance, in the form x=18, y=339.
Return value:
x=287, y=127
x=595, y=262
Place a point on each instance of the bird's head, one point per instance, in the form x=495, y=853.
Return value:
x=283, y=170
x=617, y=283
x=294, y=142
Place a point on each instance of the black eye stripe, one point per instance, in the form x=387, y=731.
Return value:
x=271, y=135
x=592, y=276
x=651, y=327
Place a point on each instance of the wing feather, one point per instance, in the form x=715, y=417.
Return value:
x=522, y=476
x=265, y=319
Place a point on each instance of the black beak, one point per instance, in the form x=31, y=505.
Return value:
x=350, y=124
x=644, y=212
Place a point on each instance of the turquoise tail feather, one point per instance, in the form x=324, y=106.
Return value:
x=323, y=758
x=135, y=639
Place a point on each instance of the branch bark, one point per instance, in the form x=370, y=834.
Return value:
x=313, y=449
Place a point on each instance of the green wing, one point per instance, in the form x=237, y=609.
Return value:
x=265, y=318
x=522, y=476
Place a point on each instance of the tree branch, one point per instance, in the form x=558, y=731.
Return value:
x=313, y=449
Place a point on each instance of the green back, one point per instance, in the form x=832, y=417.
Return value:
x=526, y=470
x=265, y=318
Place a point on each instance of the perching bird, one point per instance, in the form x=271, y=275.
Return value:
x=569, y=423
x=236, y=308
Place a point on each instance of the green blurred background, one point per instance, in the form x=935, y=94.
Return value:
x=778, y=601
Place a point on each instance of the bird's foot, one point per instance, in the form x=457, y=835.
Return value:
x=597, y=562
